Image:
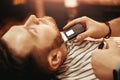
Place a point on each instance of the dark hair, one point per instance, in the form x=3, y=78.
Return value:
x=11, y=69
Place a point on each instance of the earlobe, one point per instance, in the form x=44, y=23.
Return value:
x=54, y=59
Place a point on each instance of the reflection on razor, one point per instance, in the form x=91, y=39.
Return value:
x=72, y=32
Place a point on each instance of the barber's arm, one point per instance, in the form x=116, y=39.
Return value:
x=115, y=26
x=105, y=60
x=94, y=28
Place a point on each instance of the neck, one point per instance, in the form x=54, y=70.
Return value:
x=64, y=51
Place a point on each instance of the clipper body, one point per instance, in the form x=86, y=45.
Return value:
x=72, y=32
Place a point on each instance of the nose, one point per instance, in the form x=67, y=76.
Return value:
x=31, y=20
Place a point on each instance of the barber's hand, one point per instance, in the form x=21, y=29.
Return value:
x=117, y=40
x=94, y=29
x=104, y=61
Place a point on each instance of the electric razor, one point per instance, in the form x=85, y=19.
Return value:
x=72, y=32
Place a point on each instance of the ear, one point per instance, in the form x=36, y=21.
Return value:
x=32, y=19
x=54, y=59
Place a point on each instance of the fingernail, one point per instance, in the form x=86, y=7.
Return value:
x=75, y=40
x=78, y=37
x=63, y=28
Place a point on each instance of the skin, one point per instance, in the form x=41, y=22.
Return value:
x=32, y=37
x=104, y=61
x=94, y=27
x=35, y=38
x=111, y=55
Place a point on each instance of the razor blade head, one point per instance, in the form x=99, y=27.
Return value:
x=72, y=32
x=64, y=36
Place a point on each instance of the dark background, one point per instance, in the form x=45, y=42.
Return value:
x=57, y=11
x=97, y=12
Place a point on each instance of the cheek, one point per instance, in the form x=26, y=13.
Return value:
x=45, y=40
x=43, y=43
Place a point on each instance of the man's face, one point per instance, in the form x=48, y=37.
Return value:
x=43, y=31
x=37, y=34
x=40, y=39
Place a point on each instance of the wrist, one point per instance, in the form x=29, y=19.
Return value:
x=109, y=32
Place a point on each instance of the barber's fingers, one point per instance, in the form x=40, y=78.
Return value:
x=111, y=44
x=81, y=20
x=117, y=40
x=118, y=43
x=112, y=47
x=82, y=36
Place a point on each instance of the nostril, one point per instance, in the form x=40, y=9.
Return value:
x=36, y=21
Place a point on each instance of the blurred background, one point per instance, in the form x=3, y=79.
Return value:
x=17, y=11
